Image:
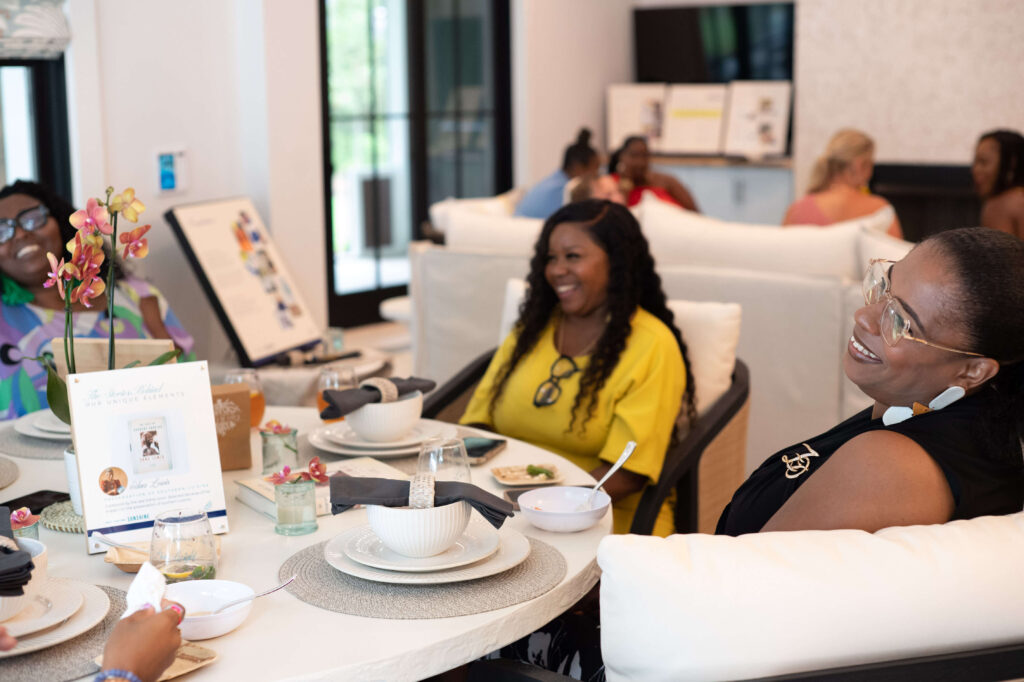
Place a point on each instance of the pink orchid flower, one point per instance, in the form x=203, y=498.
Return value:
x=56, y=274
x=92, y=218
x=86, y=259
x=90, y=288
x=127, y=205
x=286, y=476
x=137, y=247
x=20, y=518
x=317, y=471
x=274, y=426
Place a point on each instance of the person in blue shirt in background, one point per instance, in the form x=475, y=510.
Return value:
x=545, y=197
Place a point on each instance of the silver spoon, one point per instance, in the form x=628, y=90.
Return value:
x=588, y=504
x=286, y=583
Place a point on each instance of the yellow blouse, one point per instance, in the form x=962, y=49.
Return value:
x=640, y=401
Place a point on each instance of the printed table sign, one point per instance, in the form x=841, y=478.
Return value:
x=147, y=443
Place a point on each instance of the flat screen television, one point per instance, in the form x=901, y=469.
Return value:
x=715, y=44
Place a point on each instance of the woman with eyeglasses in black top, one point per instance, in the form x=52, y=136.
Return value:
x=595, y=359
x=34, y=222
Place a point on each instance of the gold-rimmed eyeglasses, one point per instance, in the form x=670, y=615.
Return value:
x=549, y=390
x=895, y=322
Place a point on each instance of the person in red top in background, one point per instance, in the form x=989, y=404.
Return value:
x=630, y=166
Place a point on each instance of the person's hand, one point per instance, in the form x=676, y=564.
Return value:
x=6, y=641
x=145, y=642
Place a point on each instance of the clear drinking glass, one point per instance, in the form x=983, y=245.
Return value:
x=184, y=546
x=333, y=378
x=446, y=459
x=257, y=401
x=296, y=508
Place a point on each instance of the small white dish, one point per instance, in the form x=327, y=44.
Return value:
x=54, y=603
x=557, y=508
x=343, y=435
x=387, y=422
x=12, y=606
x=478, y=542
x=513, y=549
x=419, y=532
x=46, y=420
x=94, y=608
x=320, y=442
x=25, y=426
x=201, y=598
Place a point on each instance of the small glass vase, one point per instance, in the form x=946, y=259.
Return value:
x=280, y=450
x=296, y=508
x=30, y=531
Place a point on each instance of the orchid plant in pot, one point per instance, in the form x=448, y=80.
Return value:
x=79, y=279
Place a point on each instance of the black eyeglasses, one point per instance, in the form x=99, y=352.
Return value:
x=30, y=219
x=549, y=390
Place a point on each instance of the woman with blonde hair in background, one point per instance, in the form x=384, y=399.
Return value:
x=838, y=189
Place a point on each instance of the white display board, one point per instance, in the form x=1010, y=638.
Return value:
x=636, y=109
x=245, y=279
x=758, y=120
x=146, y=443
x=693, y=119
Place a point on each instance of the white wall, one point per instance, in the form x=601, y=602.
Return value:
x=234, y=83
x=564, y=54
x=923, y=77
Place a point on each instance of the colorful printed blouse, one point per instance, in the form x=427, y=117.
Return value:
x=26, y=331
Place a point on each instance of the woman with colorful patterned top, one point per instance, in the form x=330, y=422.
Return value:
x=33, y=222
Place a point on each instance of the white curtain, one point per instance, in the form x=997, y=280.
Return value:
x=32, y=29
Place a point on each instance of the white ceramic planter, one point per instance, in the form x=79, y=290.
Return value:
x=71, y=468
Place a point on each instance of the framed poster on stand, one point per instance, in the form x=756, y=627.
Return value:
x=636, y=109
x=693, y=119
x=758, y=121
x=245, y=278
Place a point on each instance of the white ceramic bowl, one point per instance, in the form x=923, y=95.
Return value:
x=419, y=532
x=206, y=596
x=387, y=422
x=554, y=508
x=12, y=606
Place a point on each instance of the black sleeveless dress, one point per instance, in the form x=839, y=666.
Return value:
x=979, y=454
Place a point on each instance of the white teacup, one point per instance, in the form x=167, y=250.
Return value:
x=387, y=422
x=12, y=606
x=419, y=532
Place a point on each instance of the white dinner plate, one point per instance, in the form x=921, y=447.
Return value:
x=479, y=541
x=512, y=551
x=95, y=605
x=343, y=435
x=317, y=440
x=46, y=420
x=25, y=425
x=56, y=602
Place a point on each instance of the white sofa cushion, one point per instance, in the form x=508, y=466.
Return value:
x=503, y=204
x=679, y=237
x=711, y=331
x=702, y=607
x=872, y=244
x=470, y=230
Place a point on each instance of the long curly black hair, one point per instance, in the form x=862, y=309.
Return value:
x=632, y=282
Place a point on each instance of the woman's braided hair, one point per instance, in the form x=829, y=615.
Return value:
x=632, y=283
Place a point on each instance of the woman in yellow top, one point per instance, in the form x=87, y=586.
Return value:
x=594, y=360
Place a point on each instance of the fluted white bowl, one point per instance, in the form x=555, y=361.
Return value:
x=419, y=532
x=12, y=606
x=386, y=422
x=556, y=508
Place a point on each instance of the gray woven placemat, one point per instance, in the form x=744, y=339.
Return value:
x=61, y=516
x=14, y=444
x=8, y=472
x=72, y=659
x=321, y=585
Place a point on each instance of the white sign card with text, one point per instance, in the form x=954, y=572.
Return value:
x=146, y=444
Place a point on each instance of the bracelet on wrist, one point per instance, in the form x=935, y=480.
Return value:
x=116, y=674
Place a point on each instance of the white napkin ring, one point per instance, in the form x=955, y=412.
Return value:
x=421, y=491
x=10, y=544
x=388, y=390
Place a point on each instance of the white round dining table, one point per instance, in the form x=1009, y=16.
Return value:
x=285, y=638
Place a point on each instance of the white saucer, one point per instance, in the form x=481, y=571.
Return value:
x=512, y=551
x=56, y=602
x=478, y=542
x=343, y=435
x=25, y=425
x=94, y=609
x=317, y=440
x=46, y=420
